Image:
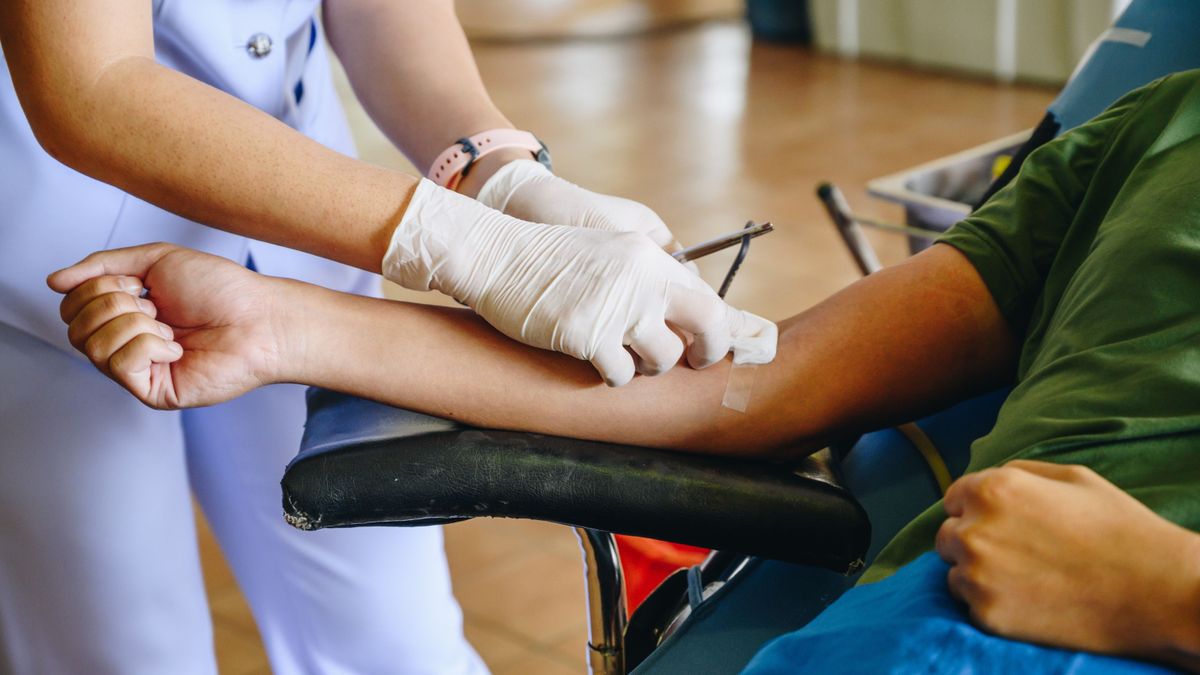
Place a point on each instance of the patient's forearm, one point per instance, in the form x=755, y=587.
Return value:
x=884, y=350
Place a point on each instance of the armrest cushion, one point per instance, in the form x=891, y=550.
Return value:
x=362, y=463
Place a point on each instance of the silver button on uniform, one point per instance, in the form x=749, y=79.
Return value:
x=259, y=45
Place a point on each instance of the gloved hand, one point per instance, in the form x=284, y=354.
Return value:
x=583, y=292
x=527, y=190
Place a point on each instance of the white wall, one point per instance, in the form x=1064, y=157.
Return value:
x=1037, y=40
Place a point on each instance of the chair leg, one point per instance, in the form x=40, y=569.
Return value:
x=606, y=602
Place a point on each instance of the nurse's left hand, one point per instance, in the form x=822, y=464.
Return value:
x=1056, y=554
x=203, y=333
x=527, y=190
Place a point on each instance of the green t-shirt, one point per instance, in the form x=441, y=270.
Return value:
x=1093, y=255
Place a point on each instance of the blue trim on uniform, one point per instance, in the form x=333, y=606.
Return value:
x=298, y=90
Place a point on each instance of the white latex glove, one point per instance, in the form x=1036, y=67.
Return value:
x=527, y=190
x=586, y=293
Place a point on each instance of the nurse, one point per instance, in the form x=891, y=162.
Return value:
x=213, y=124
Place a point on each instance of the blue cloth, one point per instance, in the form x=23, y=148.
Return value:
x=909, y=623
x=1117, y=67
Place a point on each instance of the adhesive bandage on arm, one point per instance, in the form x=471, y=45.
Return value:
x=739, y=387
x=754, y=344
x=747, y=356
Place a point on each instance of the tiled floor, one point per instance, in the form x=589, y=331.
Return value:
x=709, y=130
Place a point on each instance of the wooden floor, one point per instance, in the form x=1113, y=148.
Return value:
x=710, y=130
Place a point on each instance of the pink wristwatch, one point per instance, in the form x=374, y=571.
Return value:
x=455, y=161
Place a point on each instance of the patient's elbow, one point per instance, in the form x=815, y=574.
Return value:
x=72, y=117
x=59, y=128
x=53, y=138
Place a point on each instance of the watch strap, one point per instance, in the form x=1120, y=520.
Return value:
x=455, y=161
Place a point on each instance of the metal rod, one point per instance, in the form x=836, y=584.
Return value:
x=722, y=242
x=893, y=227
x=737, y=262
x=852, y=234
x=606, y=602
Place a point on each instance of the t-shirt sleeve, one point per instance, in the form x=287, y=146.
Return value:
x=1013, y=238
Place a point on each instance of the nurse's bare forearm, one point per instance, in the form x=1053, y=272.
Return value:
x=413, y=70
x=98, y=102
x=885, y=350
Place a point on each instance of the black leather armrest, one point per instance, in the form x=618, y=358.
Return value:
x=363, y=463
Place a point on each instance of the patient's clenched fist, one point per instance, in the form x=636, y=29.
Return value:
x=1056, y=554
x=175, y=327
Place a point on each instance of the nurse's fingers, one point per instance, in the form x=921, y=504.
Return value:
x=701, y=313
x=130, y=365
x=100, y=346
x=102, y=310
x=93, y=288
x=614, y=364
x=754, y=339
x=658, y=347
x=133, y=261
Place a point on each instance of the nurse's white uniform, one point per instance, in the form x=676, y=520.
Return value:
x=98, y=563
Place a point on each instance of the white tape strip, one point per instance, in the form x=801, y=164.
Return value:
x=739, y=387
x=1128, y=36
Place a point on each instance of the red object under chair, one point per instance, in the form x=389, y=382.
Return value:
x=648, y=561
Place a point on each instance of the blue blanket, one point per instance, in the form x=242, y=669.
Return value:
x=909, y=623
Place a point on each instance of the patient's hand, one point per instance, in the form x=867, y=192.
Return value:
x=217, y=333
x=1058, y=555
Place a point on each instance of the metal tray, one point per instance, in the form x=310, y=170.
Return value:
x=938, y=194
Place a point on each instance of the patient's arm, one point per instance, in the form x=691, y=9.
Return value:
x=886, y=349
